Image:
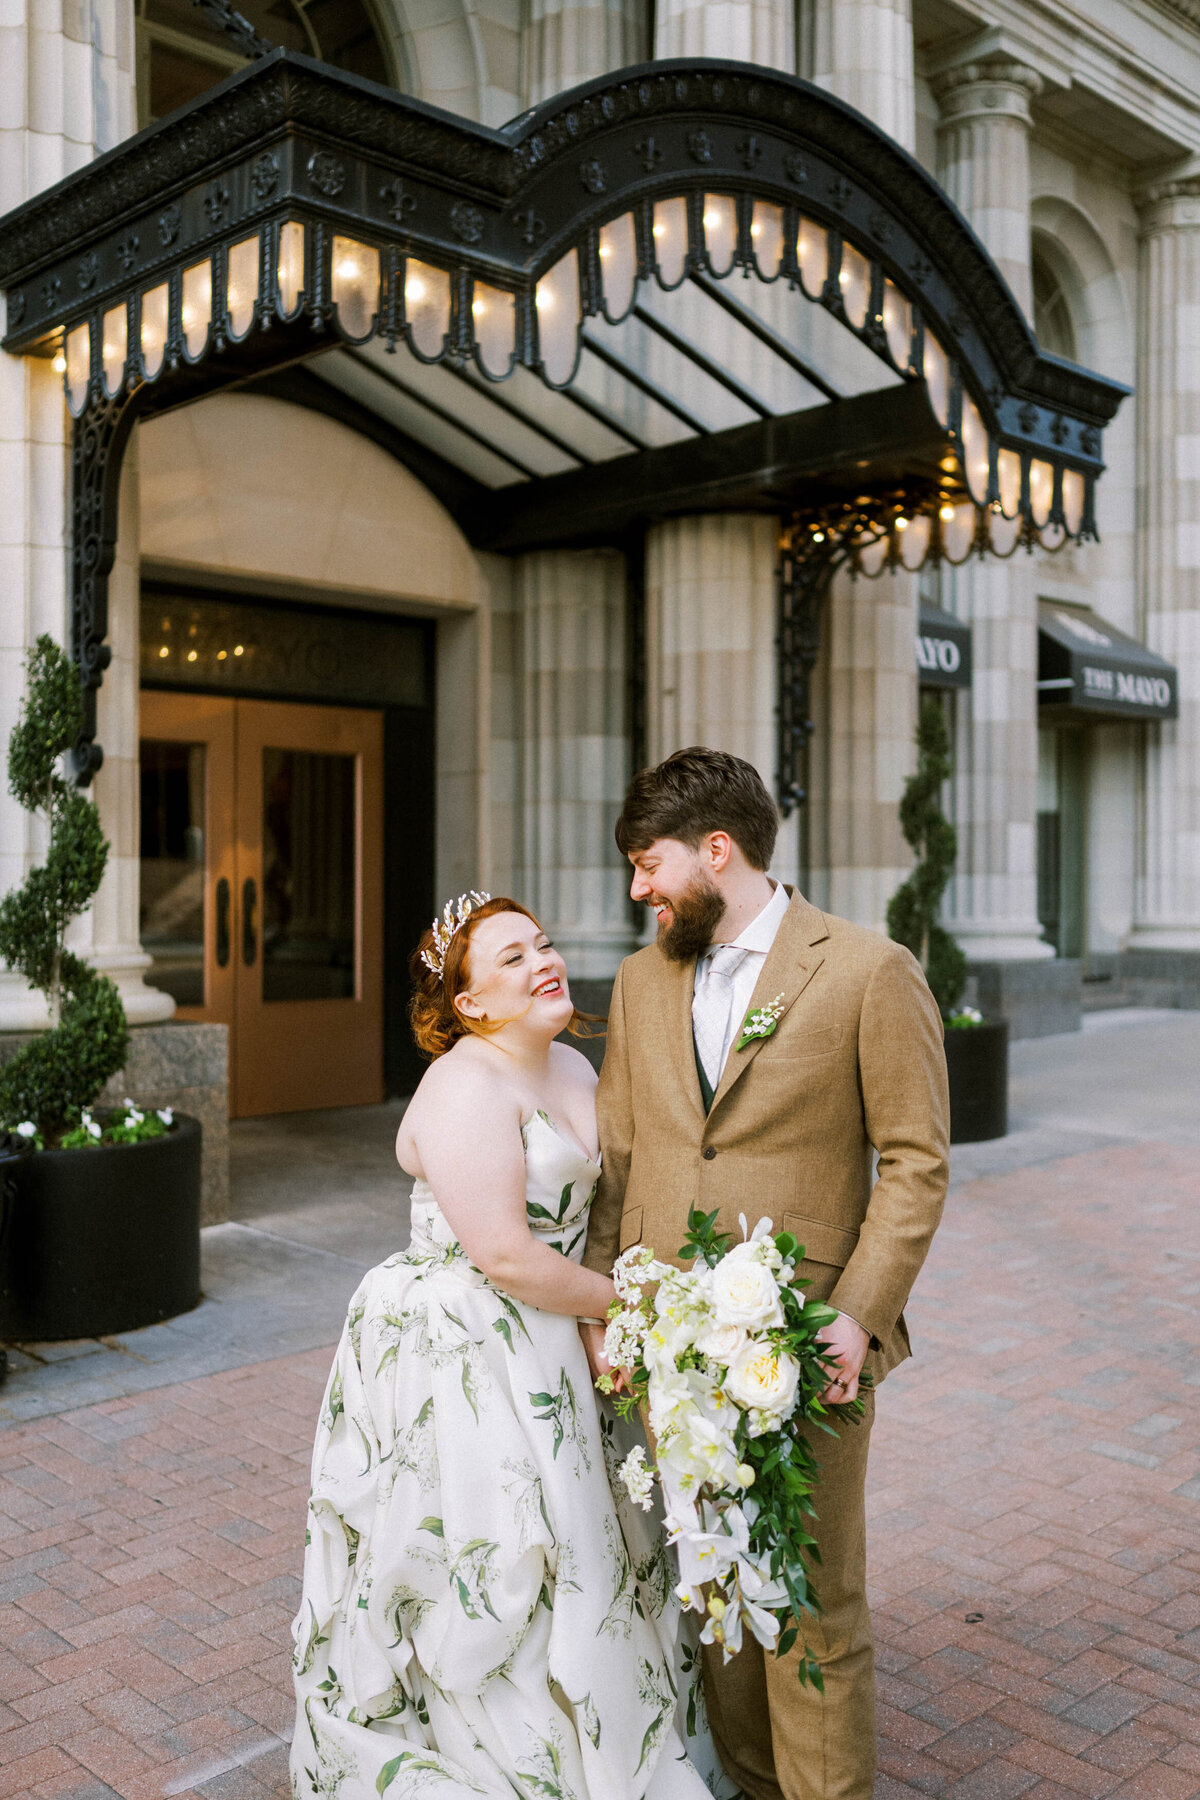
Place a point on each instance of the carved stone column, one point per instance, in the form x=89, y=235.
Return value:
x=710, y=643
x=72, y=86
x=1167, y=899
x=564, y=42
x=983, y=157
x=758, y=31
x=571, y=752
x=862, y=50
x=991, y=905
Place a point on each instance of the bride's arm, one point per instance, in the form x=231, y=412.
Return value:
x=469, y=1142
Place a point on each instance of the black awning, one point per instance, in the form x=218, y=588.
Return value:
x=1087, y=668
x=943, y=649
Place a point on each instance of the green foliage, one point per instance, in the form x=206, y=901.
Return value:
x=53, y=1078
x=912, y=915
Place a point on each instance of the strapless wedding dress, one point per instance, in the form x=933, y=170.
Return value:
x=479, y=1615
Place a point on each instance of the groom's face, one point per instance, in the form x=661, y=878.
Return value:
x=674, y=880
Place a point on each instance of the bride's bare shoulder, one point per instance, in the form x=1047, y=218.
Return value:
x=461, y=1084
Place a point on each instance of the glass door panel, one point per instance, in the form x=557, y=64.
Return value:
x=309, y=897
x=172, y=891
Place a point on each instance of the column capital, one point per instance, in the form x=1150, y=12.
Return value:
x=1169, y=203
x=996, y=86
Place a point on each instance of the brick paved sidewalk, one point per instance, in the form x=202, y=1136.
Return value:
x=1036, y=1471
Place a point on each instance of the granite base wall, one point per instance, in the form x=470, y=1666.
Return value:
x=182, y=1065
x=1143, y=978
x=1039, y=999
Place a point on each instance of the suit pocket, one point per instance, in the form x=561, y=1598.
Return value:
x=821, y=1242
x=801, y=1045
x=631, y=1228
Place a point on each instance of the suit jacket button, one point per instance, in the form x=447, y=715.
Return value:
x=709, y=1152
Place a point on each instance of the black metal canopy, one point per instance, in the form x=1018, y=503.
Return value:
x=524, y=316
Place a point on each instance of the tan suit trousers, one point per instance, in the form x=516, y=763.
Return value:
x=784, y=1741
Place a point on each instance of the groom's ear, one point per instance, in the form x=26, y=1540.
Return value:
x=716, y=847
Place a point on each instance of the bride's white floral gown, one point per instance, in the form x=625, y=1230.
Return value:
x=477, y=1616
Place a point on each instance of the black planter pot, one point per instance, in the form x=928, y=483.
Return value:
x=100, y=1241
x=977, y=1064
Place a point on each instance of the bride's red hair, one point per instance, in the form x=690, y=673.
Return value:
x=436, y=1022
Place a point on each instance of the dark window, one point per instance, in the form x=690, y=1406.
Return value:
x=1053, y=325
x=180, y=53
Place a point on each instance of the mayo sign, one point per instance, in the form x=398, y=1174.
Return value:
x=943, y=649
x=1086, y=666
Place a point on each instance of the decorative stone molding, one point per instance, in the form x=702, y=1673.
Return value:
x=993, y=87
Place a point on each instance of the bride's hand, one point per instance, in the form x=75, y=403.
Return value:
x=598, y=1363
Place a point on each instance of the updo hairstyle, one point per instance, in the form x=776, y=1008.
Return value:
x=436, y=1022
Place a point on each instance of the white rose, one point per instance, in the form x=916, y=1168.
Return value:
x=764, y=1378
x=745, y=1292
x=720, y=1341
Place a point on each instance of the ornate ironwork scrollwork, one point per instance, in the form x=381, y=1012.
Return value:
x=96, y=454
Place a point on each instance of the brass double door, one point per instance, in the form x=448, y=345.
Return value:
x=262, y=889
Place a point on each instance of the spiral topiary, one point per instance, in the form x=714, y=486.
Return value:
x=60, y=1072
x=912, y=914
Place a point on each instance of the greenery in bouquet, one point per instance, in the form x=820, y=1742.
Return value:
x=725, y=1365
x=52, y=1079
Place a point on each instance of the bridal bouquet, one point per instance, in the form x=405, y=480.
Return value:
x=724, y=1365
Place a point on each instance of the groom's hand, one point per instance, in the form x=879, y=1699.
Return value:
x=847, y=1344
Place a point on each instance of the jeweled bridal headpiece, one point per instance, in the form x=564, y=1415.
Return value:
x=454, y=916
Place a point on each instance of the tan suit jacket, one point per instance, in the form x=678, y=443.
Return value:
x=856, y=1064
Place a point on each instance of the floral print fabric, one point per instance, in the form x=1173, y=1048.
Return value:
x=476, y=1616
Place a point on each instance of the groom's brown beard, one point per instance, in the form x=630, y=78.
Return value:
x=694, y=917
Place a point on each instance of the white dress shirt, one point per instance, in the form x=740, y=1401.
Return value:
x=756, y=939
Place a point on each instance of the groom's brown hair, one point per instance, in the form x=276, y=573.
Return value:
x=694, y=792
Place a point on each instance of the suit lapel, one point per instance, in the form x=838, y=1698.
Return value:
x=791, y=963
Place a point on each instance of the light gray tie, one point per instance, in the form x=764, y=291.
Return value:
x=712, y=1003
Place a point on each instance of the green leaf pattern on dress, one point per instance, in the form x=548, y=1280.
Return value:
x=467, y=1568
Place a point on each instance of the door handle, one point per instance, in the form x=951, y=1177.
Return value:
x=223, y=899
x=249, y=924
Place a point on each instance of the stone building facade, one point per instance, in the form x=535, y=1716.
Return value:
x=1070, y=142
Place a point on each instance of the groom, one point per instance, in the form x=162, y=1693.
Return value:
x=788, y=1127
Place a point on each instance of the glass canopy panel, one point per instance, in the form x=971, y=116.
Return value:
x=854, y=280
x=476, y=406
x=1008, y=469
x=720, y=231
x=155, y=311
x=649, y=421
x=767, y=374
x=674, y=374
x=355, y=375
x=825, y=344
x=197, y=306
x=618, y=265
x=243, y=285
x=354, y=282
x=897, y=323
x=426, y=306
x=557, y=309
x=290, y=268
x=562, y=414
x=494, y=322
x=1041, y=490
x=812, y=255
x=766, y=236
x=670, y=232
x=976, y=450
x=79, y=361
x=114, y=346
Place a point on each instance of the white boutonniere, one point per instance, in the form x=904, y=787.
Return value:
x=761, y=1022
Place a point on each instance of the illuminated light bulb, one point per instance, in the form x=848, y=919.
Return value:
x=901, y=524
x=191, y=631
x=660, y=231
x=164, y=651
x=189, y=318
x=545, y=300
x=59, y=365
x=946, y=512
x=191, y=656
x=818, y=537
x=755, y=228
x=109, y=351
x=843, y=278
x=478, y=308
x=237, y=649
x=711, y=221
x=221, y=655
x=166, y=624
x=414, y=291
x=347, y=269
x=606, y=249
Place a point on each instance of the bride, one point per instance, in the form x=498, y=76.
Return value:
x=477, y=1616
